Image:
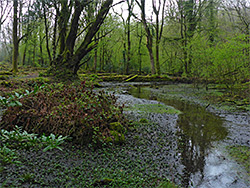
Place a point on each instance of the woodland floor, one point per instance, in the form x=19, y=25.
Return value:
x=125, y=165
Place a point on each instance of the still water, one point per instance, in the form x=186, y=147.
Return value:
x=201, y=136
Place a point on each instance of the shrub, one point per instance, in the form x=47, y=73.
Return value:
x=20, y=85
x=68, y=110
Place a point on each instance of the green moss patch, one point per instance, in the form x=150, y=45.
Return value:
x=167, y=184
x=132, y=78
x=242, y=155
x=153, y=108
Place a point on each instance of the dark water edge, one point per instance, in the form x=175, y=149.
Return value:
x=201, y=137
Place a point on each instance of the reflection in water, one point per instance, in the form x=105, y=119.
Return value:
x=198, y=128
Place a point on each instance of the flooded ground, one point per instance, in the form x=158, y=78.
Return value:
x=186, y=141
x=199, y=136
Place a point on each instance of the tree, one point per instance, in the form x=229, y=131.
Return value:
x=45, y=9
x=130, y=9
x=139, y=53
x=211, y=7
x=158, y=29
x=149, y=35
x=15, y=37
x=188, y=14
x=239, y=9
x=127, y=34
x=5, y=9
x=68, y=62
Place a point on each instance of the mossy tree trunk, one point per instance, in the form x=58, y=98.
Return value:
x=70, y=58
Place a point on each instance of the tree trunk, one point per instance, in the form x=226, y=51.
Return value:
x=95, y=56
x=46, y=32
x=139, y=51
x=34, y=53
x=54, y=45
x=152, y=62
x=15, y=38
x=149, y=35
x=130, y=9
x=156, y=10
x=157, y=41
x=129, y=48
x=24, y=54
x=69, y=61
x=41, y=61
x=124, y=58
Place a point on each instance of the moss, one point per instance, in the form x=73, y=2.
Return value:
x=133, y=78
x=167, y=184
x=242, y=155
x=6, y=83
x=119, y=138
x=5, y=73
x=2, y=77
x=41, y=79
x=117, y=126
x=143, y=120
x=153, y=108
x=109, y=139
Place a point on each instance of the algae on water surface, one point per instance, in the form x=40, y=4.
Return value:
x=153, y=108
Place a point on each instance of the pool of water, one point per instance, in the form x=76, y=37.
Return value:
x=202, y=140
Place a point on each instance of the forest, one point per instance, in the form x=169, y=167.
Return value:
x=206, y=39
x=124, y=93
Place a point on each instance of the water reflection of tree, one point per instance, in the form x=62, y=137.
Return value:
x=198, y=128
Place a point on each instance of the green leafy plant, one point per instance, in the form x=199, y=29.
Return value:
x=18, y=138
x=11, y=101
x=7, y=156
x=14, y=99
x=52, y=142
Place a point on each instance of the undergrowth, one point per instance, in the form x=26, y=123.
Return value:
x=69, y=110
